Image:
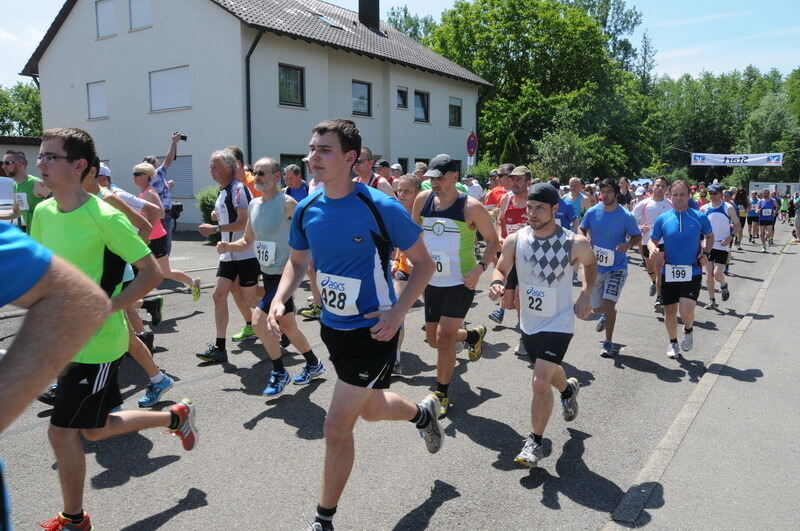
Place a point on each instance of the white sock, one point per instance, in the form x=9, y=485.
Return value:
x=157, y=378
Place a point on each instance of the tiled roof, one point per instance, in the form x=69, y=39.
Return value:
x=20, y=140
x=318, y=22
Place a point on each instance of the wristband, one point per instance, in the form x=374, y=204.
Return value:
x=497, y=283
x=482, y=265
x=217, y=229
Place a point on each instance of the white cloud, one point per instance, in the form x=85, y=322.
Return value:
x=696, y=50
x=696, y=20
x=6, y=36
x=35, y=35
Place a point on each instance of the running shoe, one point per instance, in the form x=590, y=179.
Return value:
x=245, y=333
x=154, y=392
x=319, y=526
x=688, y=341
x=277, y=382
x=601, y=323
x=497, y=315
x=726, y=271
x=652, y=289
x=398, y=368
x=570, y=405
x=49, y=396
x=608, y=349
x=521, y=351
x=186, y=430
x=712, y=305
x=195, y=289
x=154, y=307
x=763, y=248
x=432, y=433
x=658, y=307
x=308, y=373
x=739, y=247
x=531, y=453
x=475, y=350
x=212, y=354
x=62, y=522
x=312, y=311
x=726, y=294
x=672, y=350
x=444, y=402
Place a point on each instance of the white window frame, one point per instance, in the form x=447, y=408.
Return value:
x=149, y=8
x=112, y=22
x=460, y=106
x=181, y=105
x=369, y=98
x=102, y=110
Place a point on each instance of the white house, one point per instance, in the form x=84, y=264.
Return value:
x=254, y=73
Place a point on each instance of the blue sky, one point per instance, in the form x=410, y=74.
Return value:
x=690, y=36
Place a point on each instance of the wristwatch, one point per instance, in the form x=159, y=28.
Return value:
x=217, y=228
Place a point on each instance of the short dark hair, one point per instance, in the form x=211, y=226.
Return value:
x=680, y=181
x=18, y=156
x=77, y=143
x=150, y=159
x=346, y=131
x=609, y=182
x=237, y=153
x=662, y=178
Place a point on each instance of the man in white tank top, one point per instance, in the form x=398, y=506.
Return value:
x=545, y=256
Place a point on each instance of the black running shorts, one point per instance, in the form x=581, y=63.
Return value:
x=765, y=222
x=449, y=301
x=752, y=220
x=546, y=346
x=86, y=393
x=247, y=271
x=358, y=359
x=672, y=292
x=159, y=247
x=270, y=287
x=718, y=257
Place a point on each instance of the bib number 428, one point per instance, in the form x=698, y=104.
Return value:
x=334, y=299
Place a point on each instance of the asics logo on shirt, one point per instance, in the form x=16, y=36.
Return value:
x=358, y=239
x=535, y=292
x=330, y=284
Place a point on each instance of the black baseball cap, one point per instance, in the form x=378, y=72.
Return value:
x=441, y=164
x=544, y=193
x=382, y=162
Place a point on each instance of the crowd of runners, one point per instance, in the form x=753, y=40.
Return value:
x=372, y=240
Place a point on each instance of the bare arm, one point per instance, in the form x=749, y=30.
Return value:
x=501, y=220
x=239, y=224
x=240, y=245
x=292, y=276
x=173, y=148
x=14, y=213
x=385, y=187
x=34, y=359
x=148, y=278
x=582, y=254
x=152, y=197
x=477, y=216
x=419, y=202
x=142, y=226
x=504, y=265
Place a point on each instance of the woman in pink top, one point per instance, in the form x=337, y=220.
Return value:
x=142, y=174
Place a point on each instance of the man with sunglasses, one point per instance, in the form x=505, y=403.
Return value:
x=15, y=164
x=364, y=174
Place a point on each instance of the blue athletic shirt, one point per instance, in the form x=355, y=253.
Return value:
x=565, y=214
x=22, y=263
x=681, y=232
x=768, y=204
x=753, y=206
x=351, y=240
x=609, y=229
x=694, y=205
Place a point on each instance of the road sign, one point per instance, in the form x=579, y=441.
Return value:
x=472, y=143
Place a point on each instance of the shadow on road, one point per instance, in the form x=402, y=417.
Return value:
x=194, y=499
x=296, y=410
x=169, y=326
x=747, y=375
x=125, y=457
x=665, y=374
x=420, y=517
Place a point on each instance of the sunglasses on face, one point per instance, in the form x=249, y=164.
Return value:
x=137, y=174
x=262, y=173
x=8, y=162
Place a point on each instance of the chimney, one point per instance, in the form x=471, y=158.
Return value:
x=369, y=13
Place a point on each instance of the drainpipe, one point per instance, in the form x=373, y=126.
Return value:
x=36, y=81
x=247, y=96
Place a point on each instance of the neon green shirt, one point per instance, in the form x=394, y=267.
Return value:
x=99, y=240
x=459, y=186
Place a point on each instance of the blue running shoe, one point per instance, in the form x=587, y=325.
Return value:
x=277, y=381
x=154, y=392
x=308, y=373
x=497, y=315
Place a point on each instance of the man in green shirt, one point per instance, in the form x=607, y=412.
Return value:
x=99, y=240
x=28, y=190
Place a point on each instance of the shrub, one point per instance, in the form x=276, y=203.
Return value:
x=206, y=198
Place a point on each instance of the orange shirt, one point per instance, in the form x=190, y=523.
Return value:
x=250, y=183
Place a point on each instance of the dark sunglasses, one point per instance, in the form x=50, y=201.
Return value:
x=8, y=162
x=138, y=174
x=261, y=173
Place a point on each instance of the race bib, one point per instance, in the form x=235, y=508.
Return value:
x=677, y=273
x=265, y=252
x=605, y=257
x=764, y=211
x=538, y=301
x=22, y=200
x=339, y=294
x=442, y=263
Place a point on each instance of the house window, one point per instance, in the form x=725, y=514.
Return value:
x=402, y=98
x=141, y=14
x=96, y=93
x=422, y=111
x=455, y=112
x=169, y=89
x=362, y=104
x=104, y=12
x=180, y=172
x=291, y=86
x=404, y=164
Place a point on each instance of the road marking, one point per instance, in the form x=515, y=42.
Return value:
x=631, y=505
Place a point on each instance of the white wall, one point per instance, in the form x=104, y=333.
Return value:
x=184, y=32
x=30, y=154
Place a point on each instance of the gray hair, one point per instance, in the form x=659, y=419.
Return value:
x=227, y=158
x=274, y=167
x=293, y=168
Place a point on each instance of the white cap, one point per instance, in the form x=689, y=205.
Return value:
x=396, y=166
x=104, y=170
x=640, y=190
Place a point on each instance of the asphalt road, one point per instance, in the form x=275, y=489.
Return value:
x=258, y=462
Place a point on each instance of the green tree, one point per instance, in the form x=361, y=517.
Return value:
x=645, y=63
x=792, y=88
x=20, y=110
x=416, y=27
x=617, y=22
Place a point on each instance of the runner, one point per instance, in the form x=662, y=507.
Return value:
x=767, y=209
x=752, y=218
x=28, y=190
x=646, y=212
x=724, y=222
x=241, y=267
x=449, y=219
x=683, y=230
x=544, y=255
x=580, y=204
x=97, y=238
x=743, y=206
x=612, y=231
x=269, y=217
x=365, y=175
x=738, y=219
x=350, y=229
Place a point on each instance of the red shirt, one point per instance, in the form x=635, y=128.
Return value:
x=494, y=196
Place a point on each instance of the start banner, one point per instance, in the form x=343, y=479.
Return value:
x=751, y=159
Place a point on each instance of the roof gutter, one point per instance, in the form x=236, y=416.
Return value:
x=247, y=96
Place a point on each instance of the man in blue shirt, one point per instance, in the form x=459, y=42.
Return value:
x=565, y=215
x=613, y=231
x=295, y=187
x=683, y=230
x=163, y=187
x=350, y=230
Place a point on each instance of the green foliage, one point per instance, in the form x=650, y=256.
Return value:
x=482, y=169
x=616, y=21
x=206, y=198
x=20, y=110
x=416, y=27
